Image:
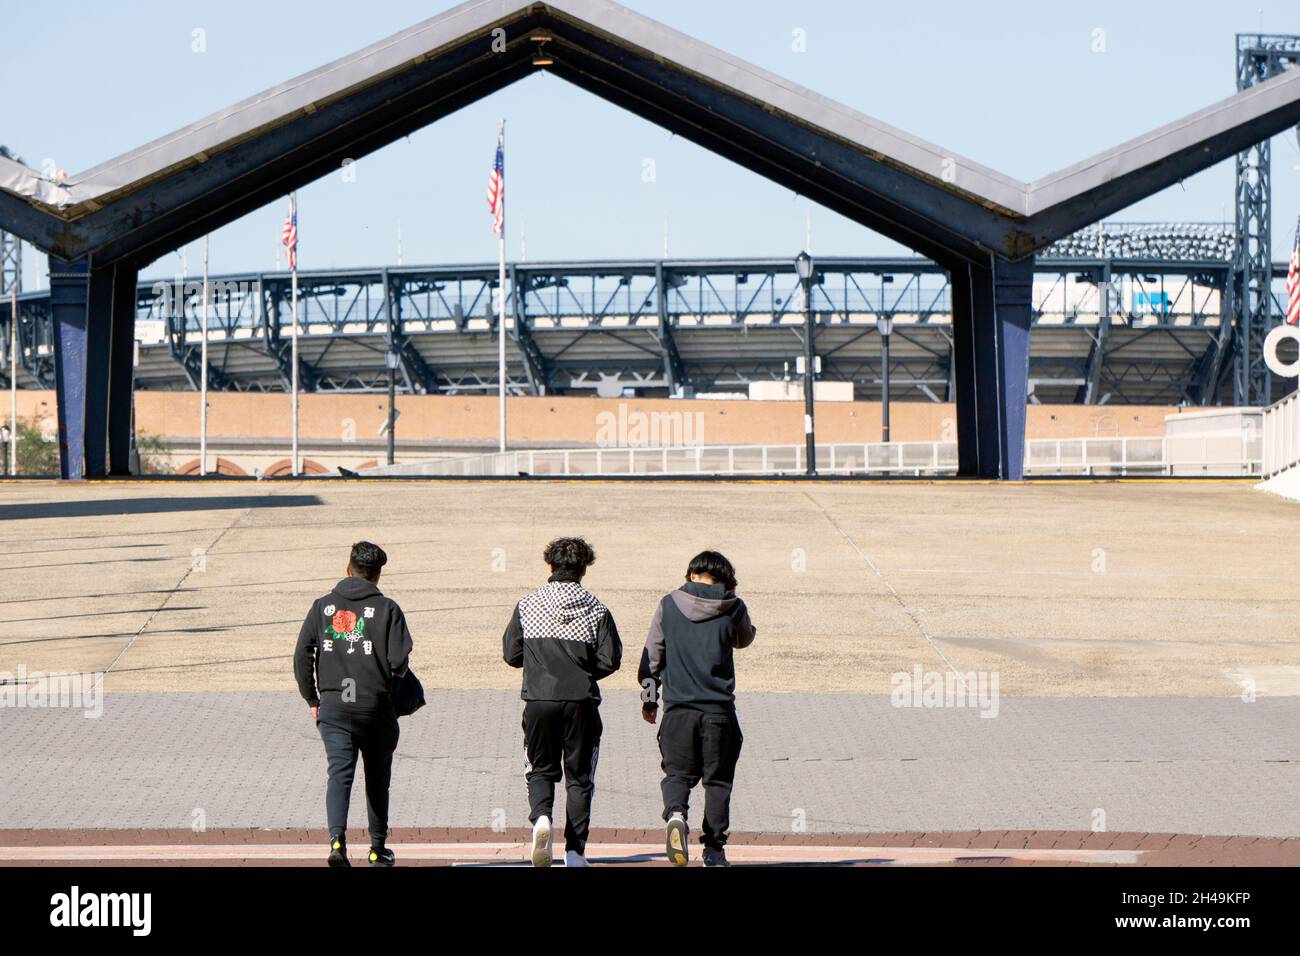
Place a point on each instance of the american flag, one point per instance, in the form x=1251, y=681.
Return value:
x=496, y=191
x=289, y=236
x=1293, y=282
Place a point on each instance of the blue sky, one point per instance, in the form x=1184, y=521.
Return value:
x=1021, y=90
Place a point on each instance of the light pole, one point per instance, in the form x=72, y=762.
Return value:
x=804, y=267
x=885, y=326
x=390, y=357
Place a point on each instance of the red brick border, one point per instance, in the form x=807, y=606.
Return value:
x=1158, y=849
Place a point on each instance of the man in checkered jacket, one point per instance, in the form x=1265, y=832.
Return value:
x=565, y=640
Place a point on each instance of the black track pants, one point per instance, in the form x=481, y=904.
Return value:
x=562, y=737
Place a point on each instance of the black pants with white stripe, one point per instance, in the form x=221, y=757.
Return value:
x=563, y=737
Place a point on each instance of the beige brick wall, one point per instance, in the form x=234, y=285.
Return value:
x=563, y=421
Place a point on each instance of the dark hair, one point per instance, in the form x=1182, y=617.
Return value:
x=367, y=559
x=569, y=554
x=716, y=566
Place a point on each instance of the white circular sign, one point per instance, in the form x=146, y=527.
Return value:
x=1275, y=364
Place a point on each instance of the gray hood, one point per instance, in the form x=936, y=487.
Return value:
x=703, y=602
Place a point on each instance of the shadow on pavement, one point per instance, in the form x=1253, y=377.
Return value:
x=141, y=506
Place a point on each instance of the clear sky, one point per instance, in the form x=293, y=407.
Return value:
x=1024, y=87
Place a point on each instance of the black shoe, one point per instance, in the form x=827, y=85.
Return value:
x=339, y=853
x=382, y=856
x=715, y=856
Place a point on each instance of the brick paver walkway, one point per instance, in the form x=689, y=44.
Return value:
x=812, y=765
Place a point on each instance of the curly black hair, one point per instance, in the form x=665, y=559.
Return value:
x=569, y=554
x=716, y=566
x=367, y=559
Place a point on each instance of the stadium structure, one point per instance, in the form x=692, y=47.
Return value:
x=1146, y=313
x=1123, y=313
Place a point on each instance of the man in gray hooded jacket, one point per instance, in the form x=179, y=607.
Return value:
x=689, y=657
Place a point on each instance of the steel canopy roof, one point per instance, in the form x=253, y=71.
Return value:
x=140, y=205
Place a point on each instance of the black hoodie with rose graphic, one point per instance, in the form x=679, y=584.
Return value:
x=351, y=646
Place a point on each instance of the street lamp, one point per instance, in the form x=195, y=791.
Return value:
x=885, y=326
x=391, y=359
x=803, y=265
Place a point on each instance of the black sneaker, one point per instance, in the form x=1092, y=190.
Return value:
x=715, y=856
x=382, y=856
x=339, y=852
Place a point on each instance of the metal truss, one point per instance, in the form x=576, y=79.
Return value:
x=1149, y=323
x=1259, y=57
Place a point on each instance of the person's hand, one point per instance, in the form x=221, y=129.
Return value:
x=649, y=712
x=315, y=713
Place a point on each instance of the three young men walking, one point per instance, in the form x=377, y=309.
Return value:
x=355, y=643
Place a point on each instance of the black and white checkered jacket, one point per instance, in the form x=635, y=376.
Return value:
x=564, y=639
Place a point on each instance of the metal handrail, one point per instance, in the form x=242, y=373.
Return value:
x=1281, y=429
x=1211, y=454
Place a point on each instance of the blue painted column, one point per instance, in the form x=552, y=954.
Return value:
x=83, y=302
x=69, y=301
x=992, y=307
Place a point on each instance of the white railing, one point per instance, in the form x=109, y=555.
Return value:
x=1219, y=455
x=1281, y=427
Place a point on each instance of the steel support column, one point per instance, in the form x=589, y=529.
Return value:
x=536, y=368
x=674, y=368
x=1088, y=391
x=992, y=309
x=70, y=313
x=121, y=369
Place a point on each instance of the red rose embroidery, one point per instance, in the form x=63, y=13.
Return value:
x=343, y=622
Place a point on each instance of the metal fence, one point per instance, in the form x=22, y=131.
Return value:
x=1281, y=428
x=1218, y=455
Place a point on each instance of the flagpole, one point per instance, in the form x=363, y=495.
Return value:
x=501, y=308
x=203, y=379
x=13, y=379
x=293, y=300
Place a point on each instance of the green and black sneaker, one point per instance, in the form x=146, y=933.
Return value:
x=339, y=852
x=382, y=856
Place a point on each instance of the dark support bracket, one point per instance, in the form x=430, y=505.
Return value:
x=415, y=370
x=280, y=347
x=991, y=311
x=1088, y=391
x=536, y=368
x=674, y=368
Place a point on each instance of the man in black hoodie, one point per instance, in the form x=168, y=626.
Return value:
x=565, y=640
x=688, y=653
x=352, y=645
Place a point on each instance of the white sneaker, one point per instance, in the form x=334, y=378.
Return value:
x=542, y=842
x=677, y=840
x=572, y=858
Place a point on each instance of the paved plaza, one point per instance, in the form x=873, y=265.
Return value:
x=1147, y=664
